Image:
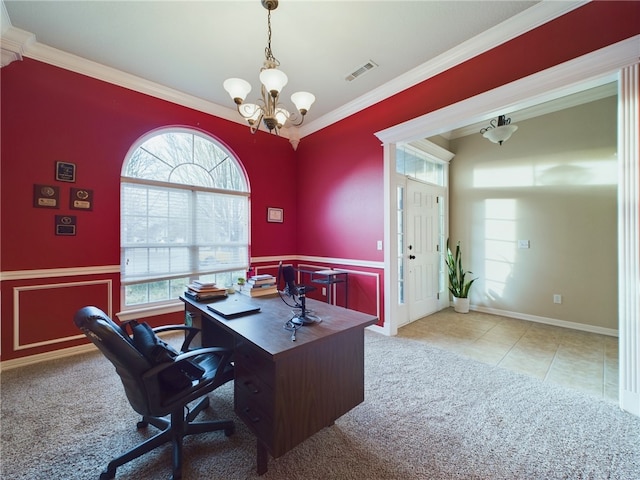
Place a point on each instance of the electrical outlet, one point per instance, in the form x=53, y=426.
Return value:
x=557, y=298
x=324, y=291
x=379, y=245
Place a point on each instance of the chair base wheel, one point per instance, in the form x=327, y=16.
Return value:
x=229, y=431
x=142, y=424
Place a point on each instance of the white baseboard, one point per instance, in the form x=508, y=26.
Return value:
x=548, y=321
x=43, y=357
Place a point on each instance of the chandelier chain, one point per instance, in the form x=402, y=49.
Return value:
x=268, y=53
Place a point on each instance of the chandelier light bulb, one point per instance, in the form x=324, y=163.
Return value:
x=282, y=116
x=273, y=80
x=303, y=101
x=237, y=88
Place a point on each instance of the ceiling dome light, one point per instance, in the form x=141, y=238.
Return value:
x=499, y=131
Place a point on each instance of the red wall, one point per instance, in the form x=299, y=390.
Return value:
x=331, y=188
x=342, y=164
x=50, y=114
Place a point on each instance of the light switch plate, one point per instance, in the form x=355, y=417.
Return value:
x=523, y=244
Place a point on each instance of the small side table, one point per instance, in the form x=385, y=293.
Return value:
x=330, y=278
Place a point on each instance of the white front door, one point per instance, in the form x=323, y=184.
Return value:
x=423, y=247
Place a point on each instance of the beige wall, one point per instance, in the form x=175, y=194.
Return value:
x=554, y=183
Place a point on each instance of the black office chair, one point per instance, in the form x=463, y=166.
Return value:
x=155, y=391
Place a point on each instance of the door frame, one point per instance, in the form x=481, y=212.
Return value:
x=442, y=295
x=615, y=62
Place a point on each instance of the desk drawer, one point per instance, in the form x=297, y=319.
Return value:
x=251, y=360
x=250, y=385
x=254, y=402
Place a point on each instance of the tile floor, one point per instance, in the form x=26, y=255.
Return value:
x=581, y=360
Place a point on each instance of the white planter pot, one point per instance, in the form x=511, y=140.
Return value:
x=461, y=305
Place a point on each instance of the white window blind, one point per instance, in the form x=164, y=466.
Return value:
x=184, y=215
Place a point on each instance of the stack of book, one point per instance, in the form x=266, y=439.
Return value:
x=203, y=291
x=259, y=285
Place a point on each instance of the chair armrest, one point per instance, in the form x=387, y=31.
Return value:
x=203, y=351
x=166, y=328
x=225, y=359
x=191, y=333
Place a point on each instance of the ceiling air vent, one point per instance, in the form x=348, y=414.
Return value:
x=358, y=72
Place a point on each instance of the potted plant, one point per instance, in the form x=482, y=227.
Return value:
x=458, y=286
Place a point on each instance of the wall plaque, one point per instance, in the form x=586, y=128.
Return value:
x=65, y=172
x=65, y=225
x=46, y=196
x=81, y=199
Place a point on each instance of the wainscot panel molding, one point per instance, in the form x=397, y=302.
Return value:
x=58, y=272
x=40, y=329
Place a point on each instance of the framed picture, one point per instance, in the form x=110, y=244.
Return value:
x=46, y=196
x=65, y=172
x=65, y=225
x=81, y=199
x=275, y=215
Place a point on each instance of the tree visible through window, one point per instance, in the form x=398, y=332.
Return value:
x=184, y=216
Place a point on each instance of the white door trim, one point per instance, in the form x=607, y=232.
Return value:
x=602, y=66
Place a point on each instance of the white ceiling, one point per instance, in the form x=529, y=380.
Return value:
x=193, y=46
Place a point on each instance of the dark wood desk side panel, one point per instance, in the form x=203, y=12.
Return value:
x=210, y=333
x=322, y=382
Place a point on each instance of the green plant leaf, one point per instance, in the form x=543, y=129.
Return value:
x=458, y=286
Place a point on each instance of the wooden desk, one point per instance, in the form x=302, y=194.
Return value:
x=286, y=391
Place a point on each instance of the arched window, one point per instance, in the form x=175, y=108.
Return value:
x=184, y=216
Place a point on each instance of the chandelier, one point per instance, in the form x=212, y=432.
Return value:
x=499, y=131
x=268, y=109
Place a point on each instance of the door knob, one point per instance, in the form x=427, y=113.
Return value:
x=412, y=257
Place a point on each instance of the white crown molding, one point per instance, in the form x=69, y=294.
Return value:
x=9, y=56
x=528, y=20
x=74, y=63
x=436, y=152
x=13, y=43
x=537, y=88
x=26, y=45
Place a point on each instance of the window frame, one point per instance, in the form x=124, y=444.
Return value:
x=171, y=304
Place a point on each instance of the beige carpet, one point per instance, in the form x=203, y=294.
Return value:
x=428, y=414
